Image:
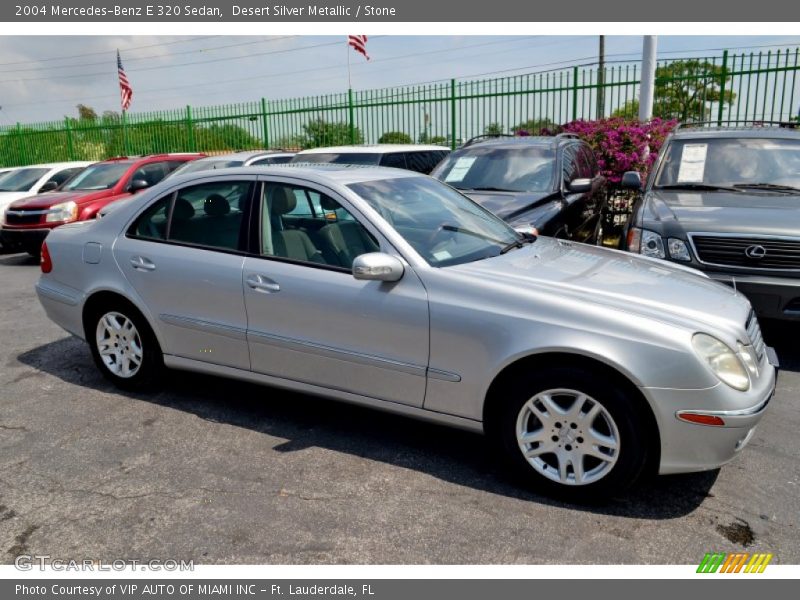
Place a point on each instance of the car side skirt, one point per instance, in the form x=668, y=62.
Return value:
x=187, y=364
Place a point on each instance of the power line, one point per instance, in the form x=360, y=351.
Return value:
x=152, y=56
x=184, y=41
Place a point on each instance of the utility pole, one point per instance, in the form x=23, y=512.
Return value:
x=648, y=84
x=601, y=78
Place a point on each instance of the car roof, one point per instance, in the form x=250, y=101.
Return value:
x=736, y=131
x=373, y=149
x=58, y=165
x=242, y=155
x=342, y=174
x=152, y=158
x=511, y=142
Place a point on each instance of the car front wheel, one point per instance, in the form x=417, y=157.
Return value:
x=124, y=347
x=571, y=433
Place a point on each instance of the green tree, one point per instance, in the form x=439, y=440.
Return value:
x=534, y=126
x=86, y=113
x=395, y=137
x=319, y=132
x=224, y=137
x=685, y=90
x=493, y=129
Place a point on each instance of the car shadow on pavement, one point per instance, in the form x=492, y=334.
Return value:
x=452, y=455
x=18, y=260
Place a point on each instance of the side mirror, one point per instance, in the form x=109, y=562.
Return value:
x=377, y=266
x=631, y=180
x=48, y=186
x=138, y=185
x=580, y=185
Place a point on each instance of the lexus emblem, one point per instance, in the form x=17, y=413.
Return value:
x=756, y=252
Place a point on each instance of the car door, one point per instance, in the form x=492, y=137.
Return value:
x=183, y=255
x=310, y=321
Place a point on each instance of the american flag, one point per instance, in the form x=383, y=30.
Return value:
x=125, y=89
x=359, y=44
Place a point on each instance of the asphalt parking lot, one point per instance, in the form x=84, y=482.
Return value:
x=225, y=472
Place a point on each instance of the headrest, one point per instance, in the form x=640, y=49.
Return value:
x=328, y=203
x=216, y=206
x=283, y=200
x=183, y=210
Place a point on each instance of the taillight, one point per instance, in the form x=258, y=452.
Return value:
x=46, y=262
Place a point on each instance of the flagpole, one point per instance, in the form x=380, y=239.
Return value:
x=349, y=82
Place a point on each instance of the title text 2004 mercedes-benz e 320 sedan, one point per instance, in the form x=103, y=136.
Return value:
x=388, y=288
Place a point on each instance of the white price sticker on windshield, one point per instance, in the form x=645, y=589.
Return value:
x=459, y=170
x=693, y=163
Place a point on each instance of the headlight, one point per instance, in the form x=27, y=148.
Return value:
x=749, y=358
x=66, y=211
x=652, y=244
x=678, y=249
x=722, y=361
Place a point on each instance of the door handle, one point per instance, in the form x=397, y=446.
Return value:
x=263, y=284
x=141, y=263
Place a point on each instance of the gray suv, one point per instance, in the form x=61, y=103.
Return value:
x=725, y=201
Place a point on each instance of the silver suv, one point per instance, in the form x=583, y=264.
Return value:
x=387, y=288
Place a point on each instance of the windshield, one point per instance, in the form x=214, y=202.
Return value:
x=21, y=180
x=524, y=169
x=206, y=165
x=97, y=177
x=346, y=158
x=444, y=227
x=730, y=163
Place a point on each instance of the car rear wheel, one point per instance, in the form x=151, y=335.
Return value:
x=571, y=433
x=124, y=347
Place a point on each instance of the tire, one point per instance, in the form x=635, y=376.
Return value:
x=587, y=454
x=124, y=347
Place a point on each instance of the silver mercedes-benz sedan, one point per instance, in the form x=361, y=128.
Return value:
x=585, y=366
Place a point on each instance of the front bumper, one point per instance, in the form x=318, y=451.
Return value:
x=771, y=297
x=688, y=447
x=23, y=238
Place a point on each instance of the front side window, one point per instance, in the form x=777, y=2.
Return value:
x=304, y=225
x=152, y=173
x=570, y=164
x=522, y=169
x=740, y=163
x=62, y=176
x=444, y=227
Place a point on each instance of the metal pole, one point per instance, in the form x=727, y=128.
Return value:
x=723, y=76
x=601, y=78
x=648, y=84
x=124, y=134
x=265, y=122
x=351, y=116
x=452, y=114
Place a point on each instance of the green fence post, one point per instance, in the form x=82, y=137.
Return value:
x=21, y=154
x=452, y=114
x=351, y=115
x=575, y=93
x=125, y=148
x=723, y=77
x=70, y=151
x=190, y=129
x=264, y=122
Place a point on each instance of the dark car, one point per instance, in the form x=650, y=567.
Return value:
x=27, y=221
x=550, y=184
x=727, y=201
x=420, y=158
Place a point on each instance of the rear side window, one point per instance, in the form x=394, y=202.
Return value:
x=152, y=223
x=210, y=214
x=424, y=162
x=395, y=159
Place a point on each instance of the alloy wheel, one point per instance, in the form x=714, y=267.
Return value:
x=119, y=344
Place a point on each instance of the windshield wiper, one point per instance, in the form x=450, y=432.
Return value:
x=768, y=186
x=519, y=243
x=488, y=189
x=698, y=186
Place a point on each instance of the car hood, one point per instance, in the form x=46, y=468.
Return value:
x=618, y=280
x=724, y=212
x=509, y=205
x=48, y=199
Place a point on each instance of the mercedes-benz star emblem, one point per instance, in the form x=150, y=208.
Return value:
x=755, y=251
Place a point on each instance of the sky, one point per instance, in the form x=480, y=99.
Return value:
x=43, y=78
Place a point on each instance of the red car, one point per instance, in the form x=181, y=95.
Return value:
x=27, y=221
